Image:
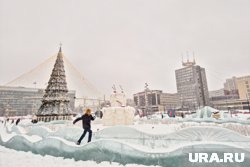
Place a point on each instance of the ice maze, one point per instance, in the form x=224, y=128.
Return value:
x=126, y=145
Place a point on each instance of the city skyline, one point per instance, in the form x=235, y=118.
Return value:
x=127, y=43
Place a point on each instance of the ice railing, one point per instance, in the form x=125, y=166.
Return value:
x=184, y=133
x=124, y=145
x=242, y=128
x=174, y=124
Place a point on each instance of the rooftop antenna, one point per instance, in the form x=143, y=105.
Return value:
x=188, y=62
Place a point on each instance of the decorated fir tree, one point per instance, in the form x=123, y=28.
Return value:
x=55, y=101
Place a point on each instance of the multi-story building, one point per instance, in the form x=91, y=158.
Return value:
x=236, y=94
x=169, y=100
x=229, y=103
x=243, y=85
x=148, y=101
x=151, y=101
x=238, y=86
x=20, y=101
x=231, y=87
x=221, y=95
x=192, y=86
x=216, y=93
x=230, y=84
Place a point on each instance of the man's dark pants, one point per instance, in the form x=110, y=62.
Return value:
x=84, y=133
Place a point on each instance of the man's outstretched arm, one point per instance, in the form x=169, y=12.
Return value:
x=92, y=117
x=77, y=119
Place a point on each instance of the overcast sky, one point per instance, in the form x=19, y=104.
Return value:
x=127, y=42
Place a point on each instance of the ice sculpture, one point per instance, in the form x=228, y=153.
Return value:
x=118, y=113
x=208, y=112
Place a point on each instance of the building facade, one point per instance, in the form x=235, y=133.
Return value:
x=192, y=86
x=148, y=101
x=216, y=93
x=169, y=100
x=151, y=101
x=239, y=86
x=230, y=104
x=236, y=94
x=231, y=87
x=230, y=84
x=243, y=85
x=21, y=101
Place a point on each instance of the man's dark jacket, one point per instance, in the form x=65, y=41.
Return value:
x=85, y=121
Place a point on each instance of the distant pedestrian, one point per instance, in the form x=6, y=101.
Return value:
x=17, y=121
x=182, y=115
x=86, y=125
x=34, y=121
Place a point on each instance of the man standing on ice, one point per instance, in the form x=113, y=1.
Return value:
x=86, y=125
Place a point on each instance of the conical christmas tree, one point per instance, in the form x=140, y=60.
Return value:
x=55, y=102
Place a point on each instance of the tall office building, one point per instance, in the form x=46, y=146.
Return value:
x=243, y=86
x=192, y=86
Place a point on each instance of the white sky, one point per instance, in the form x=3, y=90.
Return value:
x=127, y=42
